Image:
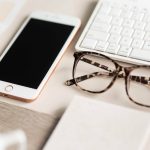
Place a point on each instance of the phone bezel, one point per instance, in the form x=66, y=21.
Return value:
x=26, y=93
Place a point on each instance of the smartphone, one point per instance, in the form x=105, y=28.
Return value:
x=32, y=55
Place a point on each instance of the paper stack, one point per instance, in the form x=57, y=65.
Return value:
x=93, y=125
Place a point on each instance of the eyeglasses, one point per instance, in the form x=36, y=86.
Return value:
x=96, y=73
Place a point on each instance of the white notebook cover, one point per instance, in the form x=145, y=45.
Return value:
x=93, y=125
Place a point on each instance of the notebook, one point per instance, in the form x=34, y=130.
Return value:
x=93, y=125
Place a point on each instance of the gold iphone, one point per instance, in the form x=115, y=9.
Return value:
x=29, y=59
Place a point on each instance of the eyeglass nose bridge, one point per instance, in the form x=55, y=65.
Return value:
x=125, y=71
x=116, y=72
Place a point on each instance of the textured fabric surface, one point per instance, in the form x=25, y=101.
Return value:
x=37, y=126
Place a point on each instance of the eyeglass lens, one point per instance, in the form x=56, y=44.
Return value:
x=139, y=92
x=94, y=68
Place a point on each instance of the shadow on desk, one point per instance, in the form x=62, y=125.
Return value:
x=37, y=126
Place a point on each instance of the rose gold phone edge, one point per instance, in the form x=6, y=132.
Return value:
x=56, y=61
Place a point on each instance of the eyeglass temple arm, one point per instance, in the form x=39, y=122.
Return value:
x=140, y=79
x=96, y=64
x=85, y=77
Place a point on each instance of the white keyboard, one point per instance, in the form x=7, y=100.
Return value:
x=119, y=30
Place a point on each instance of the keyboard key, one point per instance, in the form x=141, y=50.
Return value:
x=144, y=10
x=147, y=36
x=127, y=32
x=140, y=54
x=101, y=46
x=146, y=18
x=115, y=5
x=100, y=27
x=139, y=25
x=97, y=35
x=124, y=51
x=147, y=28
x=112, y=48
x=126, y=41
x=138, y=34
x=146, y=46
x=115, y=12
x=105, y=8
x=128, y=23
x=126, y=14
x=114, y=38
x=116, y=29
x=103, y=18
x=137, y=43
x=126, y=7
x=117, y=21
x=89, y=43
x=137, y=16
x=134, y=9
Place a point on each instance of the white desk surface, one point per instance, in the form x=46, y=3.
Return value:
x=55, y=97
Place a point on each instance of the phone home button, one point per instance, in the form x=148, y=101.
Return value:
x=9, y=88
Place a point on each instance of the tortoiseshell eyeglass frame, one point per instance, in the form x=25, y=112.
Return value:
x=120, y=72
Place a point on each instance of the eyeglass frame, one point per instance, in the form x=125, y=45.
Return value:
x=119, y=68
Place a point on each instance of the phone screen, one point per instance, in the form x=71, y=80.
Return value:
x=34, y=51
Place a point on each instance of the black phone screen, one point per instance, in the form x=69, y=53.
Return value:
x=34, y=51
